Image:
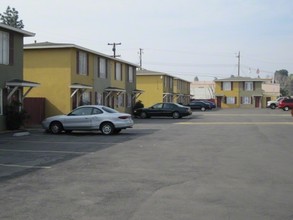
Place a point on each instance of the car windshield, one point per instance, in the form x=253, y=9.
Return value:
x=109, y=110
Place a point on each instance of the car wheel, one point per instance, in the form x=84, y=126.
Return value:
x=56, y=127
x=273, y=106
x=176, y=115
x=203, y=109
x=286, y=108
x=107, y=128
x=143, y=115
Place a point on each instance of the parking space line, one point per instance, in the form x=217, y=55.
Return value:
x=44, y=151
x=235, y=123
x=25, y=166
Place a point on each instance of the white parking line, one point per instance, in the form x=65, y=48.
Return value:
x=24, y=166
x=44, y=151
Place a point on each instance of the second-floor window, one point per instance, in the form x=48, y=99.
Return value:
x=227, y=86
x=248, y=86
x=130, y=74
x=4, y=48
x=118, y=72
x=102, y=68
x=82, y=63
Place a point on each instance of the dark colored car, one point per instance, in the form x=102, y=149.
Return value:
x=286, y=104
x=167, y=109
x=199, y=105
x=212, y=104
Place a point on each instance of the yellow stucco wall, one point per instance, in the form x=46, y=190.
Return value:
x=232, y=93
x=55, y=70
x=152, y=87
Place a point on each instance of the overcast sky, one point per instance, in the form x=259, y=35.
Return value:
x=186, y=38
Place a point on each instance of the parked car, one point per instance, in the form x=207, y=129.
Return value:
x=199, y=105
x=274, y=103
x=212, y=104
x=286, y=104
x=168, y=109
x=89, y=117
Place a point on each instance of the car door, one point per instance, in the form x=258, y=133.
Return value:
x=156, y=110
x=79, y=119
x=97, y=117
x=167, y=109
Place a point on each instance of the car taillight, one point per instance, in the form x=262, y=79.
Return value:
x=123, y=117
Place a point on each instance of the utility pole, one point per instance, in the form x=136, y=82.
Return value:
x=238, y=63
x=140, y=58
x=114, y=49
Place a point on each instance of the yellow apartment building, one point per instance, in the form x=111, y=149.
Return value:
x=239, y=92
x=161, y=87
x=71, y=75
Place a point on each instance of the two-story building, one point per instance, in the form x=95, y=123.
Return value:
x=11, y=68
x=72, y=75
x=239, y=92
x=161, y=87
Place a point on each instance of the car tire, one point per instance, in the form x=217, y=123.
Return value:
x=273, y=106
x=286, y=108
x=56, y=127
x=203, y=109
x=107, y=128
x=143, y=115
x=176, y=115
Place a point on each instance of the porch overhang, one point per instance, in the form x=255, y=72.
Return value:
x=77, y=87
x=167, y=94
x=136, y=93
x=15, y=84
x=111, y=90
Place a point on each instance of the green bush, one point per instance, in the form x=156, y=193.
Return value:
x=15, y=117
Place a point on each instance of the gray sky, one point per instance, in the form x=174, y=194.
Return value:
x=184, y=38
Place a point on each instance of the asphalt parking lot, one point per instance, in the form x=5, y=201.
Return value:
x=223, y=164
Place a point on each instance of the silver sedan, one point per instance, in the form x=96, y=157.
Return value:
x=89, y=117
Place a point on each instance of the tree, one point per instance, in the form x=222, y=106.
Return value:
x=10, y=17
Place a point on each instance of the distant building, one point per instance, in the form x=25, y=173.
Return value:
x=202, y=89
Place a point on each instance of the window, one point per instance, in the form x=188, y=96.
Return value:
x=82, y=63
x=227, y=86
x=129, y=100
x=118, y=72
x=246, y=100
x=230, y=100
x=130, y=74
x=85, y=98
x=4, y=48
x=248, y=86
x=82, y=111
x=1, y=103
x=171, y=83
x=102, y=68
x=121, y=100
x=96, y=111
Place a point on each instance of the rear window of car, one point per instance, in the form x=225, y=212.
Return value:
x=109, y=110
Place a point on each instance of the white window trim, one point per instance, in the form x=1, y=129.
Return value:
x=4, y=48
x=248, y=86
x=246, y=100
x=118, y=72
x=227, y=86
x=230, y=100
x=130, y=74
x=102, y=68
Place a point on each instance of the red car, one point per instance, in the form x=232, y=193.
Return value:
x=286, y=104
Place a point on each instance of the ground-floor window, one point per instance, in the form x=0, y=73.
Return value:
x=246, y=100
x=129, y=100
x=230, y=100
x=121, y=98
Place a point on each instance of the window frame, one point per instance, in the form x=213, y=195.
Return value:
x=229, y=100
x=130, y=74
x=227, y=86
x=82, y=63
x=5, y=48
x=248, y=86
x=246, y=100
x=102, y=70
x=118, y=71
